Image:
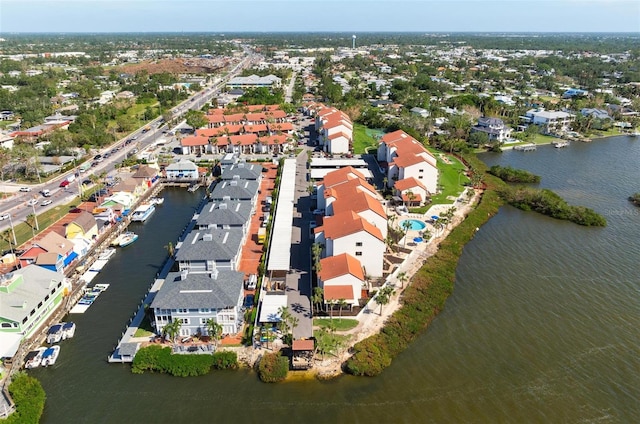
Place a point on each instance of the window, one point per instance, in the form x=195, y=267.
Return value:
x=420, y=170
x=6, y=325
x=203, y=320
x=358, y=244
x=182, y=311
x=204, y=310
x=358, y=253
x=185, y=321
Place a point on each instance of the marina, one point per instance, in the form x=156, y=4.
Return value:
x=125, y=239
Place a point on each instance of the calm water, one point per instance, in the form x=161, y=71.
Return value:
x=543, y=325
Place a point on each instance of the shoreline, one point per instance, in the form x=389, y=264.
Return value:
x=511, y=146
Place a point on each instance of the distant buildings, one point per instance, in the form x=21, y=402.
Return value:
x=255, y=81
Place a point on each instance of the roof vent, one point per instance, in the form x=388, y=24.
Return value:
x=234, y=183
x=214, y=274
x=183, y=274
x=222, y=206
x=207, y=237
x=237, y=177
x=226, y=198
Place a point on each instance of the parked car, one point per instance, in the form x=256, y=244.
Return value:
x=46, y=202
x=25, y=189
x=4, y=216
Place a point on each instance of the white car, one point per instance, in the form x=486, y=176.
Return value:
x=46, y=202
x=25, y=189
x=32, y=202
x=4, y=216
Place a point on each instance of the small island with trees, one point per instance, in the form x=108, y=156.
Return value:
x=635, y=199
x=512, y=175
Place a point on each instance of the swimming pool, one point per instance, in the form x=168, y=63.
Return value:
x=414, y=224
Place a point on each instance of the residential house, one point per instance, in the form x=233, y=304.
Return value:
x=83, y=225
x=347, y=232
x=342, y=278
x=424, y=113
x=194, y=298
x=405, y=157
x=411, y=192
x=195, y=145
x=52, y=242
x=225, y=214
x=550, y=122
x=28, y=297
x=494, y=128
x=209, y=249
x=235, y=189
x=182, y=171
x=243, y=171
x=601, y=114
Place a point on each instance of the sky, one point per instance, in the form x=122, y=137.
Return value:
x=221, y=16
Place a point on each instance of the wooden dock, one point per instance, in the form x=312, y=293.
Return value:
x=525, y=147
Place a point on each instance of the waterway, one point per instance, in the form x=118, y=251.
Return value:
x=543, y=325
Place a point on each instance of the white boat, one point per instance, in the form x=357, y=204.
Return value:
x=90, y=296
x=54, y=335
x=157, y=200
x=142, y=213
x=34, y=358
x=50, y=356
x=106, y=254
x=127, y=238
x=635, y=134
x=560, y=144
x=68, y=330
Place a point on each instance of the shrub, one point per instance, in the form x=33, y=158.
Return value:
x=29, y=397
x=512, y=175
x=273, y=368
x=158, y=358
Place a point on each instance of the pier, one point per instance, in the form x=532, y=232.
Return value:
x=525, y=147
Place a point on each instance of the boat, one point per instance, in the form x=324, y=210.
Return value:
x=560, y=144
x=68, y=330
x=106, y=254
x=143, y=212
x=127, y=238
x=54, y=335
x=34, y=358
x=157, y=200
x=50, y=356
x=90, y=296
x=635, y=134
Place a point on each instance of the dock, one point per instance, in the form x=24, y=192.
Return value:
x=526, y=147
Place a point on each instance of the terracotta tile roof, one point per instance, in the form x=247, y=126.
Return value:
x=276, y=114
x=281, y=126
x=234, y=118
x=336, y=266
x=222, y=130
x=194, y=141
x=244, y=139
x=256, y=117
x=339, y=134
x=256, y=128
x=417, y=197
x=406, y=160
x=215, y=111
x=206, y=132
x=342, y=175
x=274, y=139
x=255, y=108
x=303, y=345
x=408, y=183
x=338, y=292
x=221, y=141
x=215, y=119
x=349, y=198
x=346, y=223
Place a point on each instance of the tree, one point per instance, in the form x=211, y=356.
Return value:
x=316, y=252
x=402, y=277
x=406, y=225
x=341, y=304
x=196, y=119
x=170, y=249
x=172, y=329
x=214, y=330
x=316, y=297
x=285, y=316
x=384, y=296
x=5, y=159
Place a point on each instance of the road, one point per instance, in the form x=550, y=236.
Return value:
x=17, y=205
x=288, y=92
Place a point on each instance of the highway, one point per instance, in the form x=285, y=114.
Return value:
x=17, y=205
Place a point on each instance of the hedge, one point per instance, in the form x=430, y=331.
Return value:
x=158, y=358
x=426, y=295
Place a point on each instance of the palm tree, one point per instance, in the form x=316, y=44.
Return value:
x=285, y=317
x=402, y=277
x=384, y=295
x=341, y=304
x=316, y=252
x=316, y=297
x=330, y=304
x=410, y=197
x=214, y=330
x=172, y=329
x=406, y=225
x=170, y=249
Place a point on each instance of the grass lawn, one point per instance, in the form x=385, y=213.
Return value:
x=363, y=138
x=451, y=179
x=144, y=329
x=45, y=219
x=543, y=139
x=4, y=124
x=342, y=324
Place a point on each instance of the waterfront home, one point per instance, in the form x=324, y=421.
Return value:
x=411, y=192
x=205, y=250
x=235, y=189
x=406, y=157
x=225, y=214
x=135, y=187
x=342, y=278
x=596, y=113
x=119, y=201
x=494, y=128
x=51, y=242
x=50, y=260
x=194, y=298
x=549, y=121
x=351, y=197
x=243, y=171
x=347, y=232
x=28, y=297
x=182, y=171
x=83, y=225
